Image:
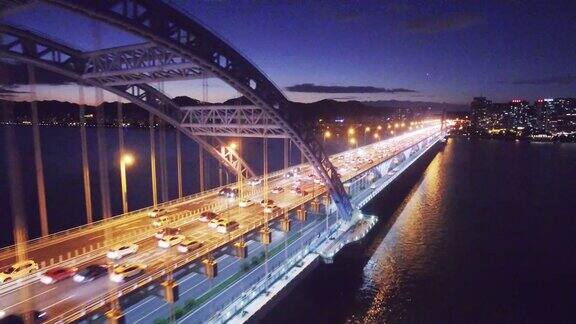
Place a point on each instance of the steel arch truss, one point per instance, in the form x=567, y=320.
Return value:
x=30, y=48
x=236, y=121
x=137, y=64
x=168, y=27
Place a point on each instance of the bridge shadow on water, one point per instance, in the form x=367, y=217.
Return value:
x=329, y=293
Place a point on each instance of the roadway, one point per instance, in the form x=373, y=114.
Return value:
x=66, y=295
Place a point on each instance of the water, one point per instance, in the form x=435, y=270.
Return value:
x=484, y=235
x=61, y=156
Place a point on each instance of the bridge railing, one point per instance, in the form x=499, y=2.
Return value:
x=183, y=260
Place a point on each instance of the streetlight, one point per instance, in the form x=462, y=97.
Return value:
x=352, y=141
x=351, y=131
x=232, y=146
x=376, y=136
x=126, y=159
x=367, y=129
x=379, y=127
x=327, y=134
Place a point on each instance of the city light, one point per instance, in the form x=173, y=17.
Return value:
x=351, y=131
x=376, y=136
x=327, y=134
x=352, y=141
x=367, y=129
x=396, y=125
x=232, y=146
x=379, y=127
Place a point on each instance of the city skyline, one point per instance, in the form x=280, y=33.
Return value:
x=371, y=51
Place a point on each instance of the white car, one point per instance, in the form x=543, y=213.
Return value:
x=215, y=222
x=254, y=182
x=245, y=203
x=18, y=270
x=227, y=227
x=170, y=240
x=270, y=208
x=157, y=212
x=160, y=221
x=125, y=271
x=277, y=190
x=189, y=245
x=119, y=251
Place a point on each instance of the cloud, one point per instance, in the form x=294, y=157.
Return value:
x=311, y=87
x=6, y=93
x=442, y=23
x=557, y=80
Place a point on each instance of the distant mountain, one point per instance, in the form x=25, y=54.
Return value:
x=434, y=106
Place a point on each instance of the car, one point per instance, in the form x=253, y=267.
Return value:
x=189, y=245
x=223, y=192
x=91, y=272
x=295, y=189
x=207, y=216
x=157, y=212
x=254, y=182
x=245, y=203
x=215, y=222
x=166, y=231
x=18, y=270
x=170, y=240
x=161, y=221
x=119, y=251
x=125, y=271
x=31, y=317
x=227, y=227
x=57, y=274
x=270, y=208
x=373, y=186
x=265, y=202
x=277, y=190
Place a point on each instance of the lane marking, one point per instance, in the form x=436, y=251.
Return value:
x=58, y=302
x=36, y=295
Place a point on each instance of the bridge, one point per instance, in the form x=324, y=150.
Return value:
x=316, y=203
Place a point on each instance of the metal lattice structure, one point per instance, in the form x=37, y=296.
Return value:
x=167, y=29
x=138, y=64
x=27, y=47
x=236, y=121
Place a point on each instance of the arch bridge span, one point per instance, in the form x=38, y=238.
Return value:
x=176, y=47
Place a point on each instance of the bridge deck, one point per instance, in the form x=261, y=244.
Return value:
x=90, y=244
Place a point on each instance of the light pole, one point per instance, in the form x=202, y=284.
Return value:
x=126, y=160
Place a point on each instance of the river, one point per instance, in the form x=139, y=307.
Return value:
x=484, y=233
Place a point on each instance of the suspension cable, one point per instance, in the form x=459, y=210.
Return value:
x=38, y=154
x=153, y=161
x=85, y=164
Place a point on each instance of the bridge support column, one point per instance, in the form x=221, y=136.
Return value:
x=210, y=267
x=265, y=235
x=301, y=214
x=171, y=291
x=285, y=224
x=315, y=205
x=115, y=316
x=241, y=249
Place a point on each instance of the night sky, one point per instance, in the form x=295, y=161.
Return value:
x=442, y=51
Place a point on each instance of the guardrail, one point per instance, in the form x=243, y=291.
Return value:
x=182, y=260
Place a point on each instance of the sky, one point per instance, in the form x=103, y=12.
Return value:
x=440, y=51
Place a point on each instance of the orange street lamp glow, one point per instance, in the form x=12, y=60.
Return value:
x=396, y=125
x=327, y=134
x=351, y=131
x=352, y=141
x=403, y=124
x=389, y=126
x=379, y=127
x=376, y=136
x=127, y=159
x=367, y=129
x=233, y=146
